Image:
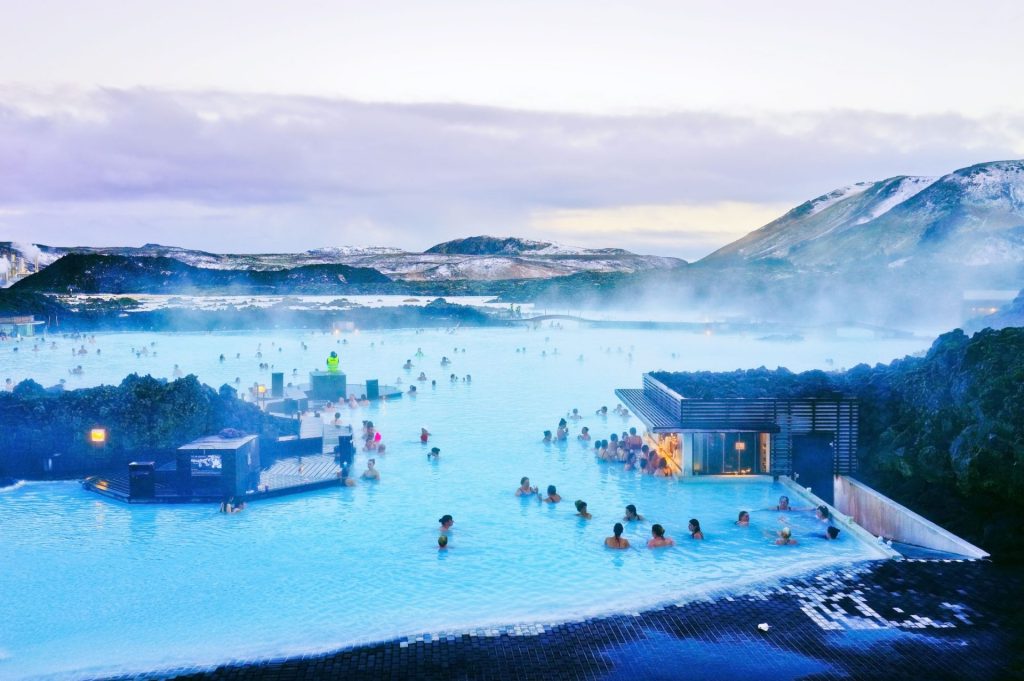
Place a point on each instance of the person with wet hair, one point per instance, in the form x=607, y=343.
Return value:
x=617, y=541
x=823, y=514
x=744, y=519
x=832, y=532
x=581, y=510
x=658, y=539
x=371, y=472
x=553, y=496
x=631, y=514
x=562, y=433
x=694, y=528
x=612, y=447
x=524, y=488
x=446, y=522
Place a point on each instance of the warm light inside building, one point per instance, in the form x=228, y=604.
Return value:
x=261, y=389
x=98, y=435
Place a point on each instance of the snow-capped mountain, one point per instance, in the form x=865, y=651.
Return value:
x=971, y=217
x=480, y=258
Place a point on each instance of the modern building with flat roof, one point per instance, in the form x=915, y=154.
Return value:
x=811, y=440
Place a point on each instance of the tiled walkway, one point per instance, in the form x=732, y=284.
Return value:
x=891, y=620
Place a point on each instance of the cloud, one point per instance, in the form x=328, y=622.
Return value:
x=246, y=172
x=683, y=227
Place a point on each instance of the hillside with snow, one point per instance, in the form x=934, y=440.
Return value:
x=972, y=217
x=474, y=259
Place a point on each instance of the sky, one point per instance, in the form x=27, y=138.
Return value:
x=660, y=127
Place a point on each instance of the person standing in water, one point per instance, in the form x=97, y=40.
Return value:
x=658, y=539
x=694, y=528
x=524, y=488
x=617, y=541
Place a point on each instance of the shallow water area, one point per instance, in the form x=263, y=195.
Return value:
x=93, y=586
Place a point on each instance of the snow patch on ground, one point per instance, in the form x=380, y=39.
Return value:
x=822, y=202
x=909, y=187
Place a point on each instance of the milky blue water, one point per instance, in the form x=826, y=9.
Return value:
x=92, y=586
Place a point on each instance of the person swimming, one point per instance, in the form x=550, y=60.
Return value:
x=631, y=514
x=446, y=522
x=744, y=519
x=553, y=496
x=581, y=509
x=424, y=435
x=694, y=528
x=832, y=532
x=547, y=436
x=823, y=514
x=442, y=542
x=785, y=537
x=617, y=541
x=658, y=539
x=584, y=434
x=783, y=504
x=524, y=488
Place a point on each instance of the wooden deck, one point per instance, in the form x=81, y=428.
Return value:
x=300, y=470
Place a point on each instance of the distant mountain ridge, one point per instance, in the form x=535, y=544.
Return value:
x=97, y=273
x=482, y=258
x=886, y=252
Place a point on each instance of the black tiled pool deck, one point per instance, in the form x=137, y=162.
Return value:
x=886, y=620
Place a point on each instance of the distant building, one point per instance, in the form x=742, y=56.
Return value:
x=19, y=326
x=815, y=438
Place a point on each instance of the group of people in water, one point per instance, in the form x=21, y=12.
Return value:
x=659, y=538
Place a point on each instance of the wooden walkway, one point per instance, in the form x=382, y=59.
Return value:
x=311, y=427
x=300, y=470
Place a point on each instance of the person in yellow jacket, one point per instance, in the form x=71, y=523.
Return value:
x=332, y=362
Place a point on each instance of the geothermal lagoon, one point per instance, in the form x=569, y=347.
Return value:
x=94, y=587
